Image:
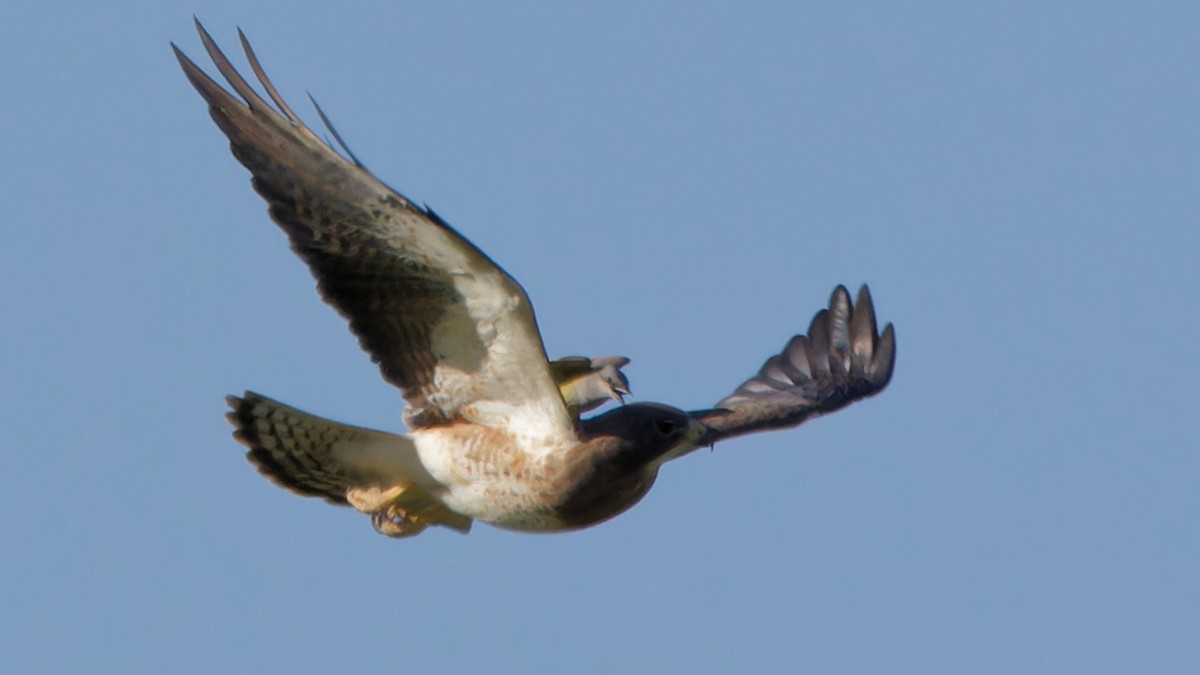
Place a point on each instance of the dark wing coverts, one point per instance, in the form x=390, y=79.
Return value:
x=841, y=360
x=445, y=324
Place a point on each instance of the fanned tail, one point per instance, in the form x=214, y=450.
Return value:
x=375, y=472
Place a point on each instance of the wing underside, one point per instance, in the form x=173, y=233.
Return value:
x=445, y=324
x=841, y=360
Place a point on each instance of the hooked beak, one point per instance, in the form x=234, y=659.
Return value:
x=619, y=390
x=622, y=384
x=710, y=435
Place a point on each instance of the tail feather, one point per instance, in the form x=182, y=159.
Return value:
x=291, y=448
x=374, y=471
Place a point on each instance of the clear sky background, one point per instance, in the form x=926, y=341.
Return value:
x=680, y=182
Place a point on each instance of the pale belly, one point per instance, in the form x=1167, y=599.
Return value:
x=486, y=478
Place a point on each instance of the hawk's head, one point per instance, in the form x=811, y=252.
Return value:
x=621, y=455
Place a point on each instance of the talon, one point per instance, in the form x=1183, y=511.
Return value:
x=396, y=522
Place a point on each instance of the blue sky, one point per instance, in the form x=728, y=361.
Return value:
x=682, y=183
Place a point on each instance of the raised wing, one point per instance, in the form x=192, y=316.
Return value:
x=445, y=324
x=841, y=360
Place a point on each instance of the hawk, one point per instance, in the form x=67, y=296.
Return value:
x=495, y=428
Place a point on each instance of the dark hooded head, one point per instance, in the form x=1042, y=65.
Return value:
x=631, y=443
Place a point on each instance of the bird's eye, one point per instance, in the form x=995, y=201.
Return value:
x=665, y=427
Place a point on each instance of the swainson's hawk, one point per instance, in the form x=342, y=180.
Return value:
x=494, y=427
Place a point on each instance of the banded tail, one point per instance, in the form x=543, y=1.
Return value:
x=376, y=472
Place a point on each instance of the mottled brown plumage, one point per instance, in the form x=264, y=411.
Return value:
x=423, y=301
x=495, y=429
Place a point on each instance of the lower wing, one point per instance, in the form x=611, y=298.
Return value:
x=843, y=359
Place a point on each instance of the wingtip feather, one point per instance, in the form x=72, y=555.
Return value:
x=817, y=346
x=261, y=74
x=883, y=361
x=333, y=130
x=226, y=68
x=840, y=314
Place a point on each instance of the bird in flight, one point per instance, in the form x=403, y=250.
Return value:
x=495, y=427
